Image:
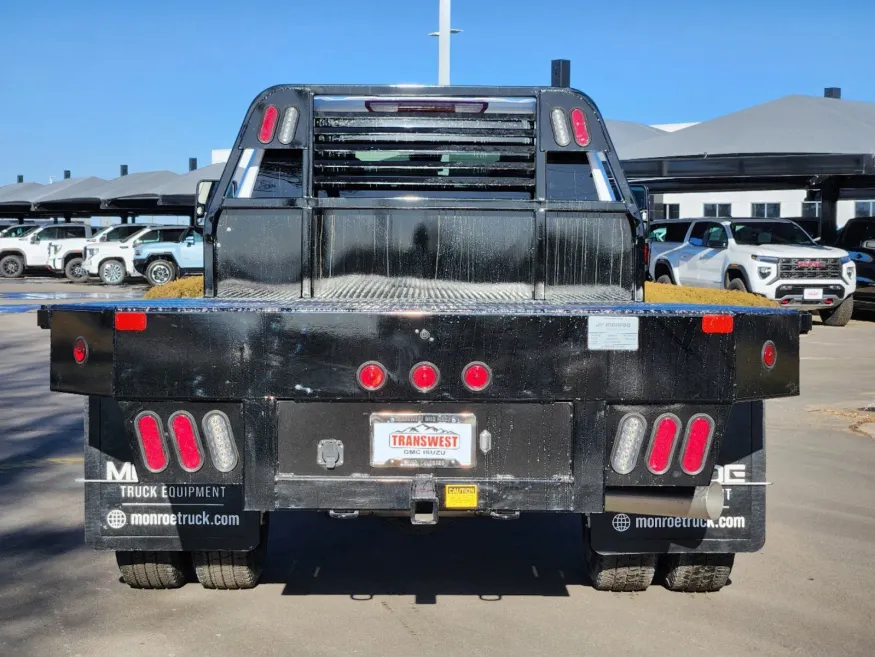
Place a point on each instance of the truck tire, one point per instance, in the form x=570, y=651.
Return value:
x=112, y=272
x=665, y=279
x=151, y=570
x=621, y=573
x=222, y=569
x=840, y=315
x=160, y=272
x=74, y=270
x=12, y=266
x=736, y=284
x=697, y=573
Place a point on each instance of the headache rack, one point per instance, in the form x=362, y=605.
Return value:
x=410, y=146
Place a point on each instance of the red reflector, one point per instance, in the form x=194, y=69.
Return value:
x=662, y=444
x=696, y=444
x=424, y=376
x=268, y=124
x=476, y=376
x=125, y=321
x=784, y=302
x=372, y=376
x=151, y=439
x=578, y=125
x=770, y=354
x=717, y=323
x=80, y=351
x=188, y=445
x=646, y=254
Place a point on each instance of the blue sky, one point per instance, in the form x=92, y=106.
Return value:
x=89, y=85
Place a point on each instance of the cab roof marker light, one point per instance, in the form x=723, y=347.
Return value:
x=559, y=122
x=220, y=441
x=288, y=126
x=268, y=124
x=627, y=444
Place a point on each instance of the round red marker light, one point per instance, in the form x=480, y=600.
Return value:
x=770, y=354
x=424, y=376
x=476, y=376
x=80, y=351
x=372, y=376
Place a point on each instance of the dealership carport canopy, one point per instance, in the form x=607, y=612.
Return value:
x=176, y=193
x=155, y=193
x=796, y=142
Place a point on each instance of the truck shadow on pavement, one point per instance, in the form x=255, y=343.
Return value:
x=537, y=555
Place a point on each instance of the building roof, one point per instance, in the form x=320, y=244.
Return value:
x=793, y=124
x=626, y=133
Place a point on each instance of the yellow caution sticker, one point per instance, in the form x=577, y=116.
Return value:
x=460, y=496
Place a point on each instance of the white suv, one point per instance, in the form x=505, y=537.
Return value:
x=114, y=261
x=65, y=257
x=774, y=258
x=29, y=250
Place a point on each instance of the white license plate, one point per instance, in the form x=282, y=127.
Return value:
x=423, y=440
x=812, y=294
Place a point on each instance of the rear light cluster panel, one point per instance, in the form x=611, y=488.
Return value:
x=652, y=446
x=186, y=442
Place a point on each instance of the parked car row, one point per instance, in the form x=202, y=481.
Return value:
x=774, y=258
x=115, y=254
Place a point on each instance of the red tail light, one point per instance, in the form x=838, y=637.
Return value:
x=717, y=323
x=151, y=439
x=268, y=124
x=662, y=444
x=578, y=125
x=187, y=442
x=476, y=376
x=80, y=351
x=128, y=321
x=424, y=376
x=696, y=444
x=372, y=376
x=770, y=354
x=646, y=254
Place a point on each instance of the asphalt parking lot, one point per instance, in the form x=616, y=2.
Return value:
x=474, y=587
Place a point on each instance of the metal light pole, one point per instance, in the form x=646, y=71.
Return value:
x=443, y=35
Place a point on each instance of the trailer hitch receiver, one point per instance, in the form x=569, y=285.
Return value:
x=423, y=501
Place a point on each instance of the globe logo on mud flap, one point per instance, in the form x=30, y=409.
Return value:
x=116, y=519
x=621, y=522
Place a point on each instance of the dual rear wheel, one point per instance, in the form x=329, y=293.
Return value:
x=214, y=569
x=682, y=572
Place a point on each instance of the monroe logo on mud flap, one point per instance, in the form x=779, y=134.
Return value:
x=419, y=440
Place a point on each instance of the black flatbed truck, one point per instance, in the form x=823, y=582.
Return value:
x=425, y=301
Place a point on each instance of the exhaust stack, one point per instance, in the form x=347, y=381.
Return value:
x=700, y=502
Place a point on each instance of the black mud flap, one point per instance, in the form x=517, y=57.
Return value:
x=742, y=527
x=122, y=513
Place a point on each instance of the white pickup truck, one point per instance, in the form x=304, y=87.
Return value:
x=114, y=261
x=65, y=256
x=774, y=258
x=29, y=250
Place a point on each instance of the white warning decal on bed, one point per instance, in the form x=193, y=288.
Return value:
x=612, y=333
